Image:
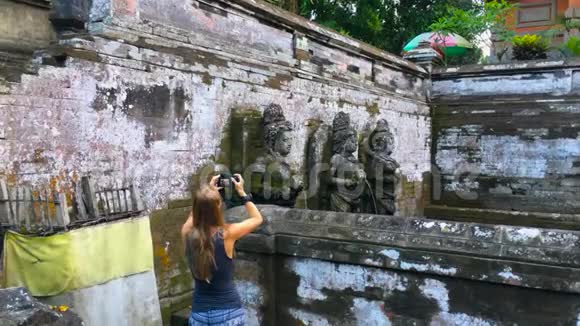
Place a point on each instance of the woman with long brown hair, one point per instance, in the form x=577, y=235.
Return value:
x=209, y=247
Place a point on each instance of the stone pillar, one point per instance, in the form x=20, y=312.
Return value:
x=424, y=55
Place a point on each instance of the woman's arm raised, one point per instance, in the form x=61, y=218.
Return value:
x=254, y=220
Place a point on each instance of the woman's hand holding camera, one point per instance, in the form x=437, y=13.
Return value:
x=239, y=185
x=218, y=182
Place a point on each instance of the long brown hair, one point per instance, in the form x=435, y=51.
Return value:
x=207, y=213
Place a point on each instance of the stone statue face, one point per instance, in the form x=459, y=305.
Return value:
x=379, y=141
x=283, y=144
x=350, y=145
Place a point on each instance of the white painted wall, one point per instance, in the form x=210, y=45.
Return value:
x=127, y=301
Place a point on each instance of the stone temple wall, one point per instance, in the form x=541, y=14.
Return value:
x=141, y=92
x=146, y=94
x=507, y=137
x=325, y=268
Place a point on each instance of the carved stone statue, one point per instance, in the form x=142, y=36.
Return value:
x=276, y=182
x=382, y=168
x=347, y=175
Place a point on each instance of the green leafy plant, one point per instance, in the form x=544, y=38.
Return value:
x=571, y=47
x=530, y=47
x=472, y=24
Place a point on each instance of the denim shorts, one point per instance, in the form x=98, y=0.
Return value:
x=219, y=317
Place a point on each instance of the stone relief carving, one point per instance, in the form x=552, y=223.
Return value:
x=276, y=182
x=259, y=143
x=381, y=168
x=347, y=175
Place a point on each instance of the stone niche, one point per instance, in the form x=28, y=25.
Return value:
x=242, y=140
x=256, y=144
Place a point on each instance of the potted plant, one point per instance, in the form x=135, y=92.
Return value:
x=530, y=47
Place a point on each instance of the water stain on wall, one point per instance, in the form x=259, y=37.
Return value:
x=160, y=109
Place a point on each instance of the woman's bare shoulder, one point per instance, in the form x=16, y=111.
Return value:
x=227, y=228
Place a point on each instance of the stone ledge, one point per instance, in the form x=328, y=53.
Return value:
x=531, y=85
x=325, y=35
x=506, y=68
x=485, y=101
x=527, y=257
x=268, y=15
x=144, y=54
x=493, y=216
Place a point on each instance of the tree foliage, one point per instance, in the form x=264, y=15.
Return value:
x=472, y=23
x=386, y=24
x=390, y=24
x=571, y=48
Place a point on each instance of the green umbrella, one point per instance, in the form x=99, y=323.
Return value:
x=450, y=44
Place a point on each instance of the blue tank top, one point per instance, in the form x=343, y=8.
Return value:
x=220, y=292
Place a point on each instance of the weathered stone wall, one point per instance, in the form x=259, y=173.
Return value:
x=523, y=256
x=356, y=269
x=507, y=137
x=305, y=291
x=143, y=93
x=316, y=292
x=174, y=281
x=145, y=96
